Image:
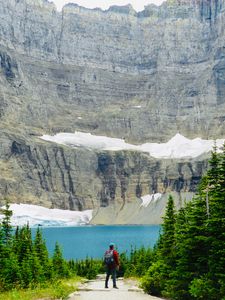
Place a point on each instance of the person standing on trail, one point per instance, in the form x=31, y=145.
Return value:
x=111, y=260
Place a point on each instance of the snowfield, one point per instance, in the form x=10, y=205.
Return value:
x=38, y=215
x=177, y=147
x=147, y=199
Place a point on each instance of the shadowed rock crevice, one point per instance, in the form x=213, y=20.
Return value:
x=8, y=65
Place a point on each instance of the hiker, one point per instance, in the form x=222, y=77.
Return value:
x=111, y=260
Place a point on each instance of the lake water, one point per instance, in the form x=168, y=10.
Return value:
x=81, y=241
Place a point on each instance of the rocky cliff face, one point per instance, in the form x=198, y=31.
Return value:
x=141, y=76
x=33, y=171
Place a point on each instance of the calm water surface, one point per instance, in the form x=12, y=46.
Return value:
x=79, y=242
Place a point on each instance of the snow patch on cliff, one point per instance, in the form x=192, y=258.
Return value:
x=177, y=147
x=138, y=5
x=147, y=199
x=38, y=215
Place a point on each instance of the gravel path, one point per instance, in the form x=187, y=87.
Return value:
x=94, y=290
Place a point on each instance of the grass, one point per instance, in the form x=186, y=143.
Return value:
x=57, y=290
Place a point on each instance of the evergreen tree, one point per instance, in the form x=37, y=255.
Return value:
x=1, y=243
x=41, y=253
x=6, y=223
x=59, y=265
x=192, y=249
x=38, y=272
x=213, y=173
x=16, y=241
x=216, y=227
x=10, y=273
x=26, y=270
x=23, y=243
x=167, y=242
x=156, y=278
x=178, y=284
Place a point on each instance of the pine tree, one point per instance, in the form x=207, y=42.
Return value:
x=213, y=173
x=178, y=284
x=16, y=241
x=192, y=249
x=9, y=269
x=6, y=223
x=1, y=242
x=26, y=270
x=10, y=273
x=216, y=226
x=157, y=276
x=167, y=242
x=23, y=243
x=41, y=253
x=38, y=274
x=59, y=265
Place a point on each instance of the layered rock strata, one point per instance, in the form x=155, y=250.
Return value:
x=142, y=76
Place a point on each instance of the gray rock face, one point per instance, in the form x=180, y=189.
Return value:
x=101, y=65
x=141, y=76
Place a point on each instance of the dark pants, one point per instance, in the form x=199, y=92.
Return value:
x=110, y=271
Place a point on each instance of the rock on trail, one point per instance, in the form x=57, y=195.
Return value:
x=94, y=290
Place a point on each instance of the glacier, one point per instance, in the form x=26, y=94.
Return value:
x=177, y=147
x=36, y=215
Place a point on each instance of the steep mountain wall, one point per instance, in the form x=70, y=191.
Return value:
x=141, y=76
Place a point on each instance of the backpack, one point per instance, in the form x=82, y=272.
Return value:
x=109, y=258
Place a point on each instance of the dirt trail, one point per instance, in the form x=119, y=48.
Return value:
x=94, y=290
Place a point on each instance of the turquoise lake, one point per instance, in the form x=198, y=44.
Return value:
x=81, y=241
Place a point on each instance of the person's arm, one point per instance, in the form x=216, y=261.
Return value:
x=116, y=257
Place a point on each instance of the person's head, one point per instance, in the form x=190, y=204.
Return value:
x=111, y=246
